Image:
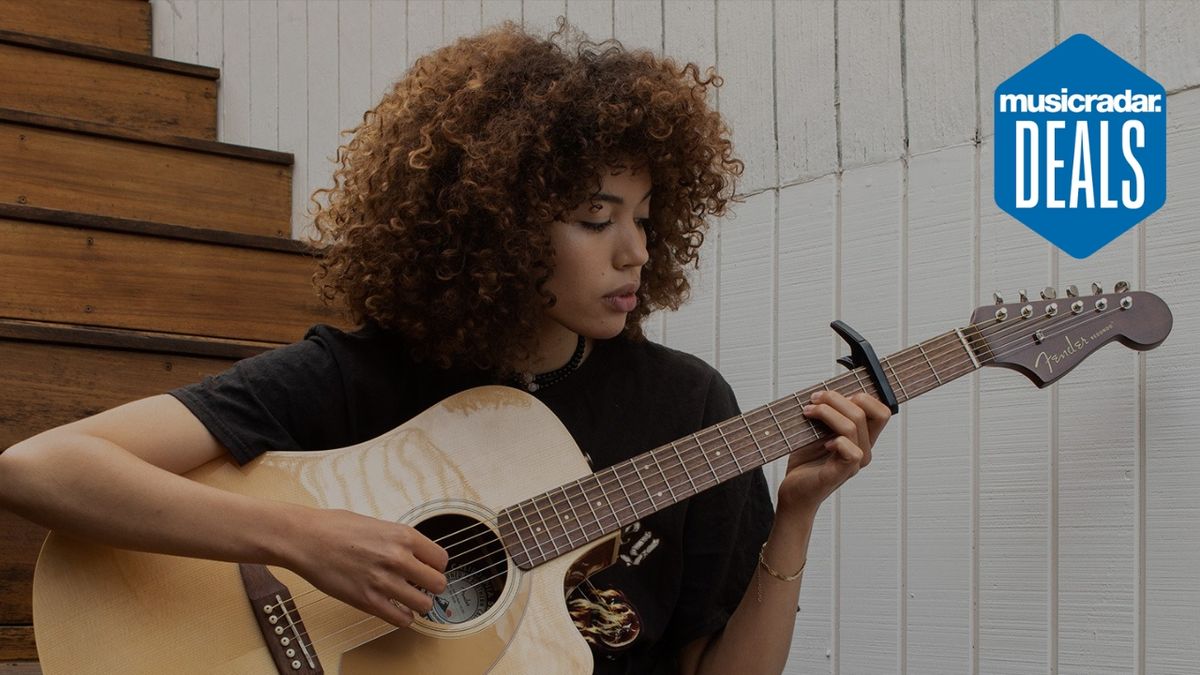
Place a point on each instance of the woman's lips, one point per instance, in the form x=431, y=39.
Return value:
x=622, y=303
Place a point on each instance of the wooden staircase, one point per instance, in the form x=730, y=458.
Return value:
x=137, y=253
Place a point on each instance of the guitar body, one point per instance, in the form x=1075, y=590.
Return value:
x=103, y=610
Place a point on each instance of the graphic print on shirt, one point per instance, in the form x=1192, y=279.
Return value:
x=604, y=616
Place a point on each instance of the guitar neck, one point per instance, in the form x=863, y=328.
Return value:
x=548, y=525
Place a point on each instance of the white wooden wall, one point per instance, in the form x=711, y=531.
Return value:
x=1001, y=529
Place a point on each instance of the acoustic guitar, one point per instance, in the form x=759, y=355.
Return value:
x=524, y=522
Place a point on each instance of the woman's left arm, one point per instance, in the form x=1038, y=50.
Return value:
x=758, y=635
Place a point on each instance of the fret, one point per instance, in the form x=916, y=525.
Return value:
x=594, y=503
x=931, y=368
x=782, y=433
x=758, y=447
x=732, y=451
x=533, y=532
x=683, y=464
x=704, y=454
x=517, y=533
x=666, y=479
x=574, y=514
x=893, y=378
x=604, y=491
x=813, y=427
x=561, y=522
x=641, y=480
x=621, y=482
x=594, y=517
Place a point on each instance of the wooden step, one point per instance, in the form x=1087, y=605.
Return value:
x=64, y=79
x=65, y=164
x=140, y=276
x=54, y=374
x=112, y=24
x=123, y=25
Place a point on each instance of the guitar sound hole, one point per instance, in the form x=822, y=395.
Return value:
x=476, y=572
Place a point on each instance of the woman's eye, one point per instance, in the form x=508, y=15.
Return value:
x=595, y=226
x=644, y=223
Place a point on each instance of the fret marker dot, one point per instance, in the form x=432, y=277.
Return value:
x=539, y=529
x=717, y=453
x=658, y=494
x=597, y=503
x=567, y=517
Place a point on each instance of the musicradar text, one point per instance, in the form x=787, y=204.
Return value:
x=1125, y=102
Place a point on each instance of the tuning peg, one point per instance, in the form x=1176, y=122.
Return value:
x=1096, y=290
x=1072, y=291
x=996, y=296
x=1048, y=293
x=1121, y=287
x=1021, y=294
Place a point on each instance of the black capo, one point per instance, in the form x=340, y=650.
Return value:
x=862, y=354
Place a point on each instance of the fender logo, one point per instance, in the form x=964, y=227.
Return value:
x=1073, y=347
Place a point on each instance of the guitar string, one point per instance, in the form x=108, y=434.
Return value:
x=859, y=385
x=955, y=346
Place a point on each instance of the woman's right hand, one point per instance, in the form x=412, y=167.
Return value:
x=366, y=563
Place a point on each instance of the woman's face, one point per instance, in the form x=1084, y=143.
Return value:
x=598, y=256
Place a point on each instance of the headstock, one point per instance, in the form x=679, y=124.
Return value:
x=1044, y=339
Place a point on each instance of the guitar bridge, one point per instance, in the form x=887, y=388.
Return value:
x=279, y=620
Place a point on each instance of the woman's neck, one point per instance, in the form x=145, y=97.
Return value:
x=555, y=346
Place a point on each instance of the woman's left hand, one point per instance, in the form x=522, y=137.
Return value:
x=857, y=421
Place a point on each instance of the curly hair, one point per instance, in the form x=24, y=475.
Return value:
x=436, y=227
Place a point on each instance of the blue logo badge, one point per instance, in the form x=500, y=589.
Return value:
x=1081, y=146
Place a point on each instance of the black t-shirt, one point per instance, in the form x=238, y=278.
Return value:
x=681, y=572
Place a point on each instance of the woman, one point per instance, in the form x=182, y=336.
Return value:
x=508, y=213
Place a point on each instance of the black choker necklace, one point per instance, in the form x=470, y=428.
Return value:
x=528, y=380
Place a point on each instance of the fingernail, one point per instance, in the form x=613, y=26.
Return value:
x=808, y=409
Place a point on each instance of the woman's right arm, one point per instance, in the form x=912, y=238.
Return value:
x=113, y=478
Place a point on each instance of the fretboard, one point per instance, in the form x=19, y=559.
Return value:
x=548, y=525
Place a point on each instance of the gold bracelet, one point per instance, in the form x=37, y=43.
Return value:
x=762, y=561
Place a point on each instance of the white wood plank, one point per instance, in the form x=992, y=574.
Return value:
x=322, y=97
x=235, y=72
x=1012, y=34
x=690, y=36
x=1015, y=461
x=186, y=25
x=389, y=39
x=807, y=239
x=938, y=426
x=162, y=29
x=293, y=104
x=1172, y=502
x=939, y=56
x=869, y=504
x=497, y=11
x=747, y=296
x=869, y=86
x=638, y=24
x=354, y=91
x=1116, y=24
x=424, y=28
x=1171, y=54
x=461, y=18
x=1098, y=437
x=209, y=28
x=804, y=80
x=541, y=16
x=748, y=96
x=593, y=18
x=264, y=75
